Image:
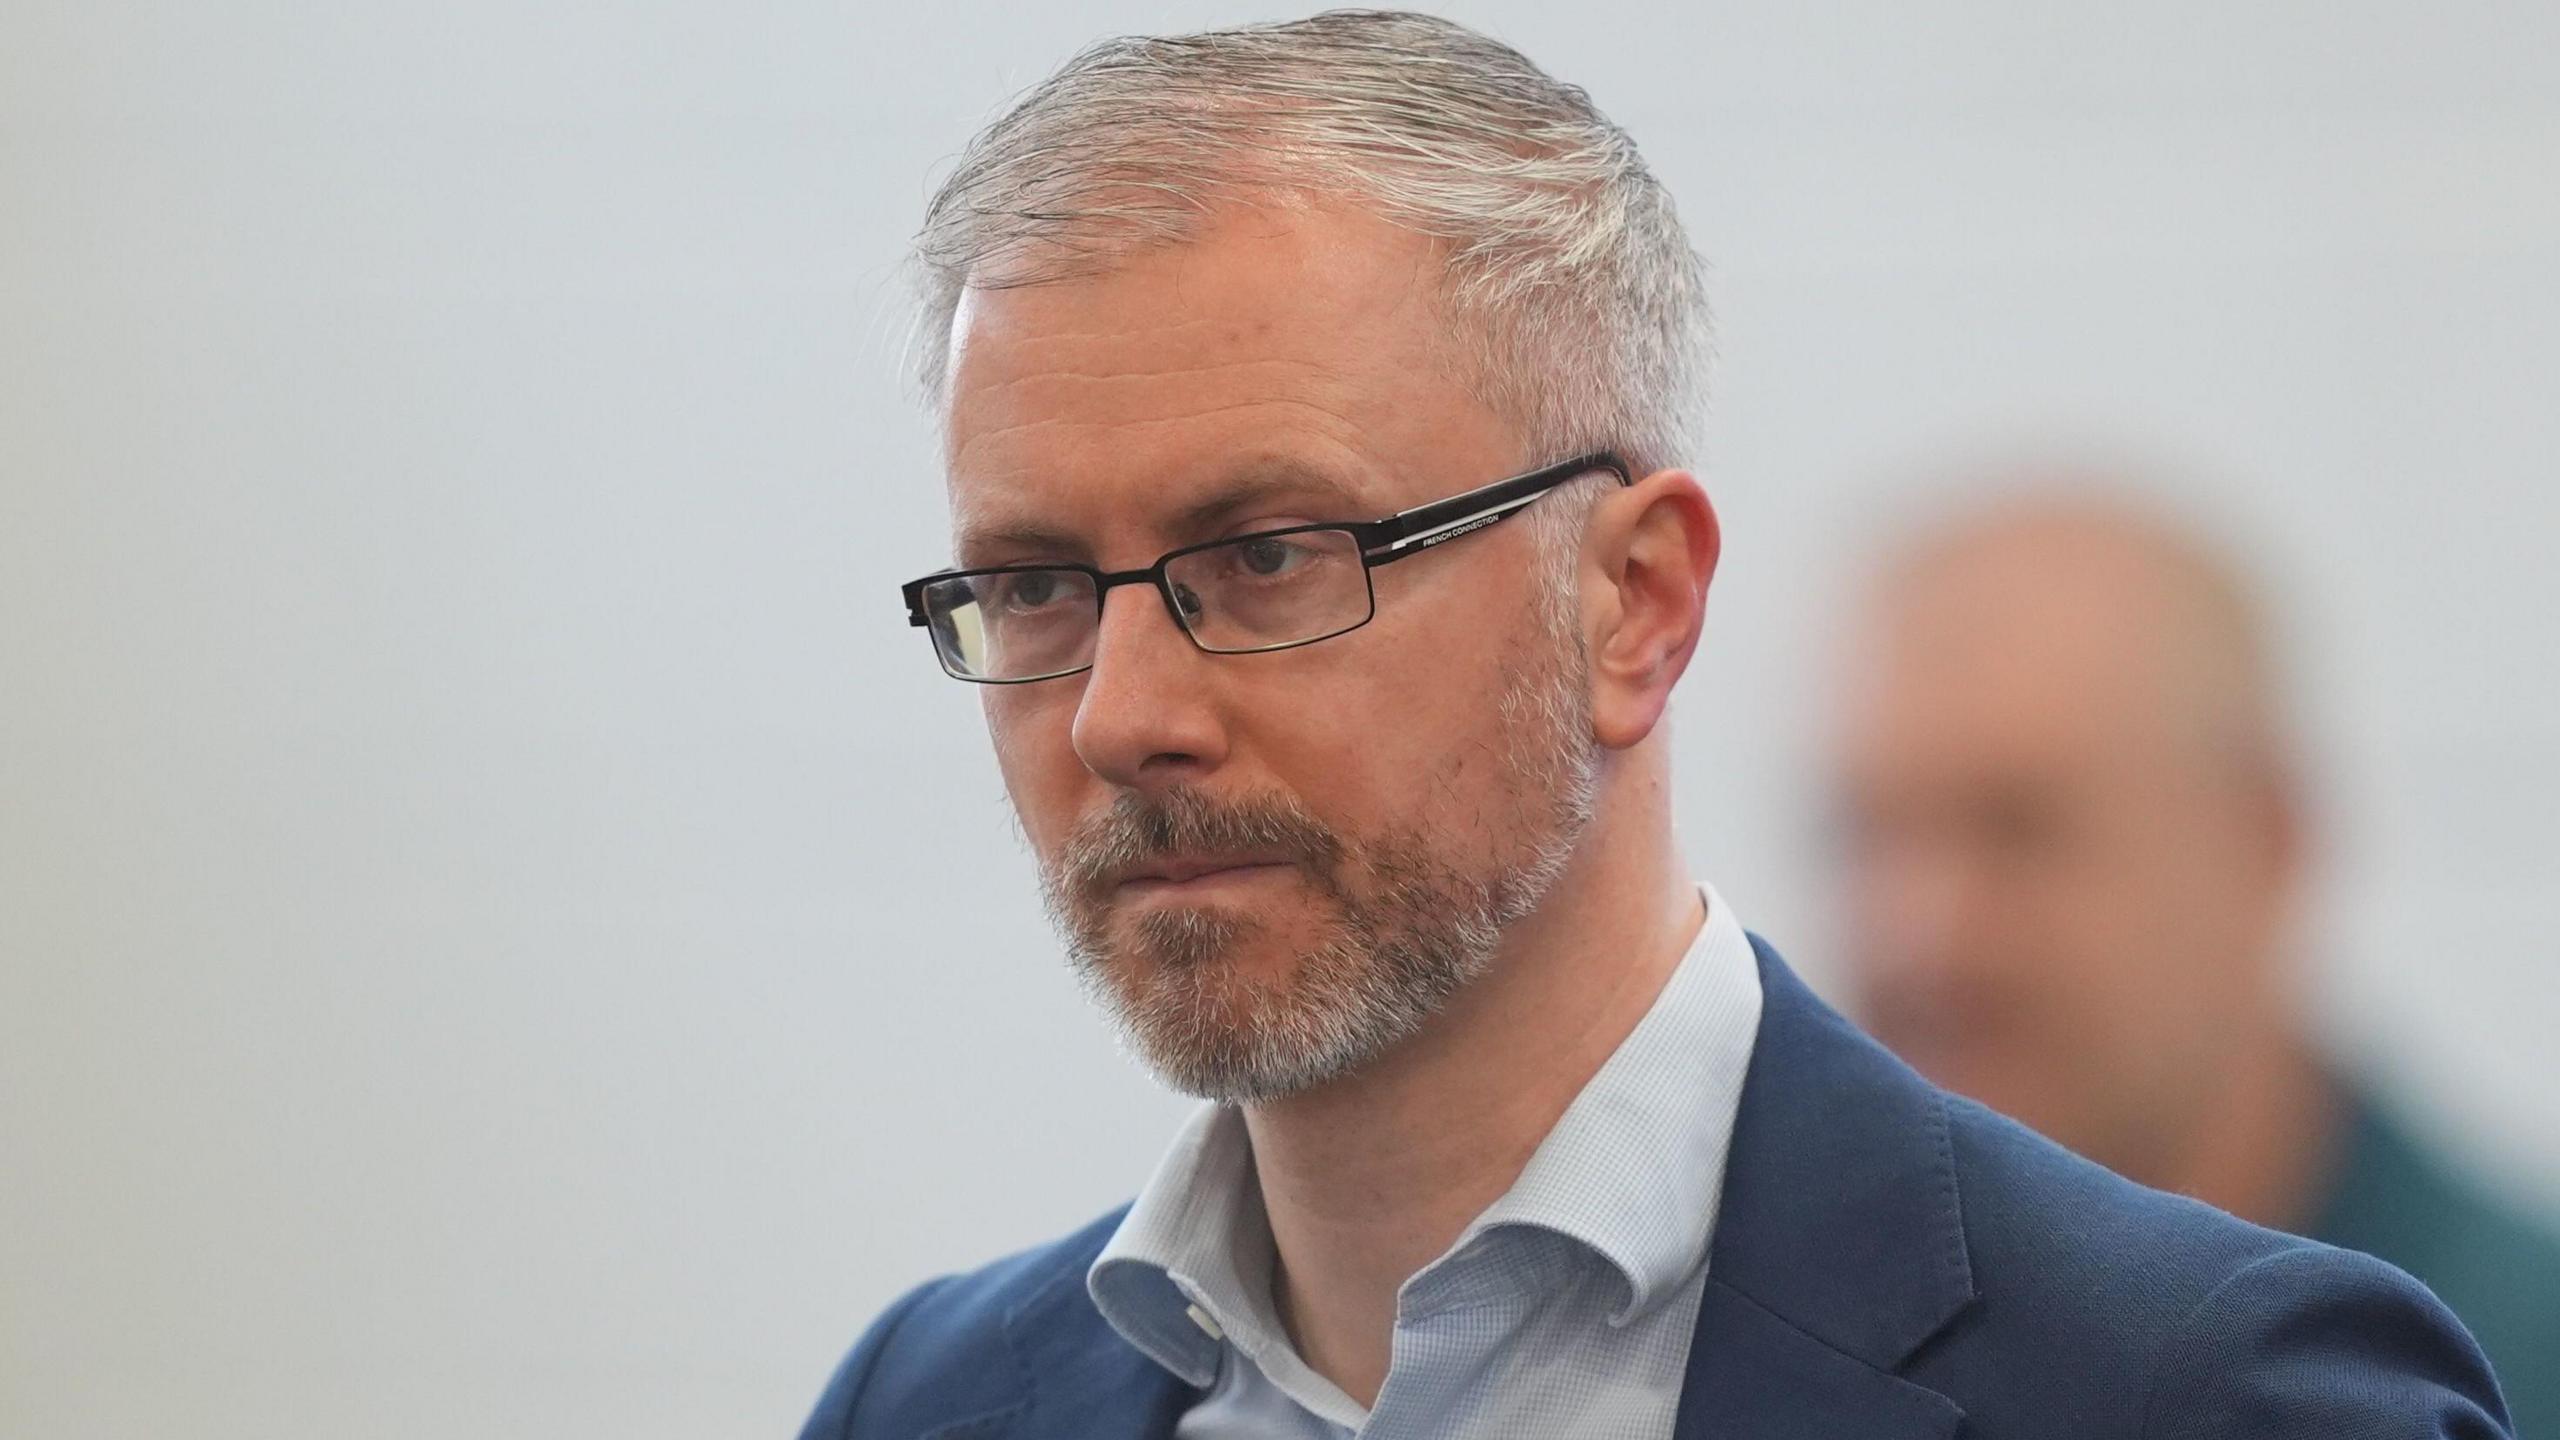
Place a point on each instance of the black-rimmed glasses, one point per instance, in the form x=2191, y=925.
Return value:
x=1269, y=590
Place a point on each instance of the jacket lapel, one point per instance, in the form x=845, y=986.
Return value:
x=1752, y=1376
x=1839, y=1246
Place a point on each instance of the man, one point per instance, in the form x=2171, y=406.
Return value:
x=2075, y=837
x=1350, y=788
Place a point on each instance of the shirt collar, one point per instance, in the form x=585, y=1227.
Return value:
x=1632, y=1171
x=1190, y=1265
x=1635, y=1167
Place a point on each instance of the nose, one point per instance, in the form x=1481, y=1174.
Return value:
x=1148, y=718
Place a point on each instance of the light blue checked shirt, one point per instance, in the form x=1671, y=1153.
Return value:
x=1564, y=1310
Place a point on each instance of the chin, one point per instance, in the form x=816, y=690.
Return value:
x=1268, y=939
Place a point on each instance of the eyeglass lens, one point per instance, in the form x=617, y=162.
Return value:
x=1260, y=592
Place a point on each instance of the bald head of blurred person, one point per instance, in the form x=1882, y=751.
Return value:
x=2074, y=845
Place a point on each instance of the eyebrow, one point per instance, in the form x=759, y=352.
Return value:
x=1253, y=483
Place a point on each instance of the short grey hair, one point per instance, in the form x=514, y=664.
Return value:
x=1576, y=304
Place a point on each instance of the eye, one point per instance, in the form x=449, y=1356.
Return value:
x=1270, y=556
x=1029, y=590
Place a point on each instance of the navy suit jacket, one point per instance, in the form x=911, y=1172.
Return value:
x=1890, y=1263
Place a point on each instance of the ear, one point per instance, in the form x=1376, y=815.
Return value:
x=1655, y=545
x=2281, y=830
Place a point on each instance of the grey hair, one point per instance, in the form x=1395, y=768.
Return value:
x=1577, y=306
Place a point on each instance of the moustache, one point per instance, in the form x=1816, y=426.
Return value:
x=1183, y=821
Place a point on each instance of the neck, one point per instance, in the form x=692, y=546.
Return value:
x=1370, y=1178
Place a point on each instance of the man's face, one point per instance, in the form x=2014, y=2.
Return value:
x=2062, y=900
x=1272, y=866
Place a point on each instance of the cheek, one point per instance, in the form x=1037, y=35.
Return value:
x=1031, y=733
x=1360, y=737
x=1457, y=652
x=1334, y=741
x=1471, y=792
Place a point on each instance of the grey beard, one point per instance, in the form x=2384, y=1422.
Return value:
x=1395, y=958
x=1420, y=930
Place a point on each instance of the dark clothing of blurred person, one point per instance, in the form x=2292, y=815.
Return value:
x=2075, y=838
x=2392, y=1196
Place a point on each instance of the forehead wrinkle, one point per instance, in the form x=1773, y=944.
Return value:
x=1067, y=373
x=1243, y=484
x=1336, y=424
x=985, y=457
x=995, y=407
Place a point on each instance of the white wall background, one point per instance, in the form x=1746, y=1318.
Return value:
x=475, y=950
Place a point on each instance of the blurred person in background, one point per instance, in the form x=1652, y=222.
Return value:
x=2075, y=842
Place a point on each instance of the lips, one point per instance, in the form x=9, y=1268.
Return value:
x=1179, y=869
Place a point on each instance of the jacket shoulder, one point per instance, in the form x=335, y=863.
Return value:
x=2316, y=1341
x=2125, y=1310
x=940, y=1353
x=2036, y=1215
